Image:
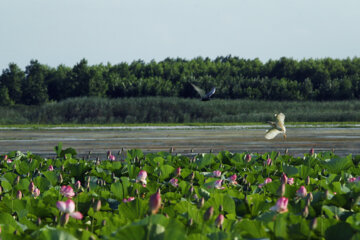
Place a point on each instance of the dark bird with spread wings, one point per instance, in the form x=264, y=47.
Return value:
x=204, y=96
x=276, y=127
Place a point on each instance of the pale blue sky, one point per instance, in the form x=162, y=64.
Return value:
x=65, y=31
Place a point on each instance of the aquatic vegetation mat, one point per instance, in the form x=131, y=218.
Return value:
x=167, y=196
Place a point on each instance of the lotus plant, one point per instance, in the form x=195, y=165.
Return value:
x=267, y=180
x=68, y=209
x=301, y=192
x=290, y=181
x=67, y=191
x=281, y=205
x=174, y=182
x=232, y=179
x=217, y=184
x=155, y=202
x=129, y=199
x=142, y=177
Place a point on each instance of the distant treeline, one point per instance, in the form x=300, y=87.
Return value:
x=234, y=78
x=97, y=110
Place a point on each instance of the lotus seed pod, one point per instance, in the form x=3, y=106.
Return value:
x=209, y=213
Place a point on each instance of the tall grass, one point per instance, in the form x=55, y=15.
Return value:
x=177, y=110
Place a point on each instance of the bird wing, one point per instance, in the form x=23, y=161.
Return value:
x=199, y=90
x=209, y=94
x=271, y=133
x=280, y=120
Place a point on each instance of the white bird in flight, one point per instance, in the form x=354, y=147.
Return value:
x=204, y=96
x=276, y=127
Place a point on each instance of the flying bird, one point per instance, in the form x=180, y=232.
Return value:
x=204, y=96
x=276, y=127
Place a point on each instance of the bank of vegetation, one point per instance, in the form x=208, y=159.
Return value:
x=234, y=78
x=96, y=110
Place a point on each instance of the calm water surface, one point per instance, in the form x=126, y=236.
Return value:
x=184, y=140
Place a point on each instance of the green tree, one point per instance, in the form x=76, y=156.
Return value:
x=4, y=97
x=33, y=87
x=12, y=78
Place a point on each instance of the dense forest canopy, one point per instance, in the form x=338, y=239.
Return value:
x=234, y=78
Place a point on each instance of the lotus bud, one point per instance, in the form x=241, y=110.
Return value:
x=312, y=151
x=51, y=168
x=310, y=196
x=190, y=222
x=166, y=215
x=219, y=221
x=247, y=157
x=221, y=208
x=19, y=195
x=112, y=158
x=36, y=192
x=78, y=184
x=301, y=192
x=103, y=223
x=305, y=212
x=201, y=202
x=209, y=213
x=178, y=172
x=1, y=189
x=97, y=206
x=192, y=176
x=307, y=181
x=39, y=221
x=60, y=178
x=155, y=202
x=55, y=219
x=97, y=161
x=286, y=151
x=62, y=168
x=171, y=150
x=64, y=219
x=31, y=186
x=326, y=194
x=137, y=192
x=268, y=161
x=195, y=196
x=191, y=190
x=284, y=178
x=313, y=224
x=17, y=180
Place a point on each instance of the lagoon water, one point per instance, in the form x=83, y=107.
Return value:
x=185, y=140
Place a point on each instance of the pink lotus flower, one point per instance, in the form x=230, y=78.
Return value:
x=268, y=161
x=51, y=168
x=352, y=179
x=142, y=177
x=219, y=220
x=232, y=179
x=267, y=180
x=217, y=173
x=67, y=191
x=69, y=207
x=155, y=202
x=129, y=199
x=178, y=172
x=247, y=157
x=290, y=181
x=111, y=157
x=217, y=184
x=174, y=182
x=281, y=205
x=36, y=192
x=301, y=192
